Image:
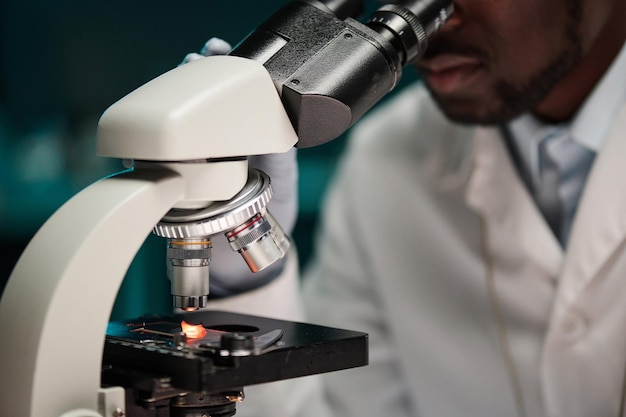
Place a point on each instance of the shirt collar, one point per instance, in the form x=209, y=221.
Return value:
x=592, y=122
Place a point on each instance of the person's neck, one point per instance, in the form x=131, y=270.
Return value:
x=561, y=104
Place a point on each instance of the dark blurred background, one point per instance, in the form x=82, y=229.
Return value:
x=62, y=64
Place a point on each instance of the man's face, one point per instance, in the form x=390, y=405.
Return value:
x=498, y=58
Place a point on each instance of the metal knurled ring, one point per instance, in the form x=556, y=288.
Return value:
x=252, y=235
x=413, y=22
x=220, y=217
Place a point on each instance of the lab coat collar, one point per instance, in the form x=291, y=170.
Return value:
x=495, y=191
x=600, y=224
x=513, y=221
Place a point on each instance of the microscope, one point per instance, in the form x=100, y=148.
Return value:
x=300, y=79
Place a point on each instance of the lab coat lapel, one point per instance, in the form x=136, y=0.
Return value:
x=600, y=224
x=514, y=223
x=522, y=259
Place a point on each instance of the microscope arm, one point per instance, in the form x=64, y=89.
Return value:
x=56, y=305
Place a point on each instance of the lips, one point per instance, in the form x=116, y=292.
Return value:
x=448, y=73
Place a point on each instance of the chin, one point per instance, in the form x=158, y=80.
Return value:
x=475, y=111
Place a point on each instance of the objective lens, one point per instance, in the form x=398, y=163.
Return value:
x=188, y=271
x=260, y=241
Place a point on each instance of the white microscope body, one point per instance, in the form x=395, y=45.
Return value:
x=189, y=132
x=191, y=128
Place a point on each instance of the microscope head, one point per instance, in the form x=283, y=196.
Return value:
x=201, y=120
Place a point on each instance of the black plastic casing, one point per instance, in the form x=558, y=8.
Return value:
x=328, y=71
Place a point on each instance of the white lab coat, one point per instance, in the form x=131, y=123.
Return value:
x=433, y=246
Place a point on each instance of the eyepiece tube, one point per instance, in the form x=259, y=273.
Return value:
x=431, y=13
x=408, y=24
x=329, y=70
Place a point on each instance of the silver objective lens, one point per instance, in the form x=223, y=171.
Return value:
x=188, y=271
x=260, y=241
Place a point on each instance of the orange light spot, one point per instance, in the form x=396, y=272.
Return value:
x=193, y=331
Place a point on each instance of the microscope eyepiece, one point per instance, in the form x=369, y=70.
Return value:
x=408, y=24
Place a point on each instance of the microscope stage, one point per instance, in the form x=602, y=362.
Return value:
x=236, y=350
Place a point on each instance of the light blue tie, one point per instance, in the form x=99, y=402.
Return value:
x=547, y=188
x=564, y=165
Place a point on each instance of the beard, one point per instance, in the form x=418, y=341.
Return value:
x=509, y=99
